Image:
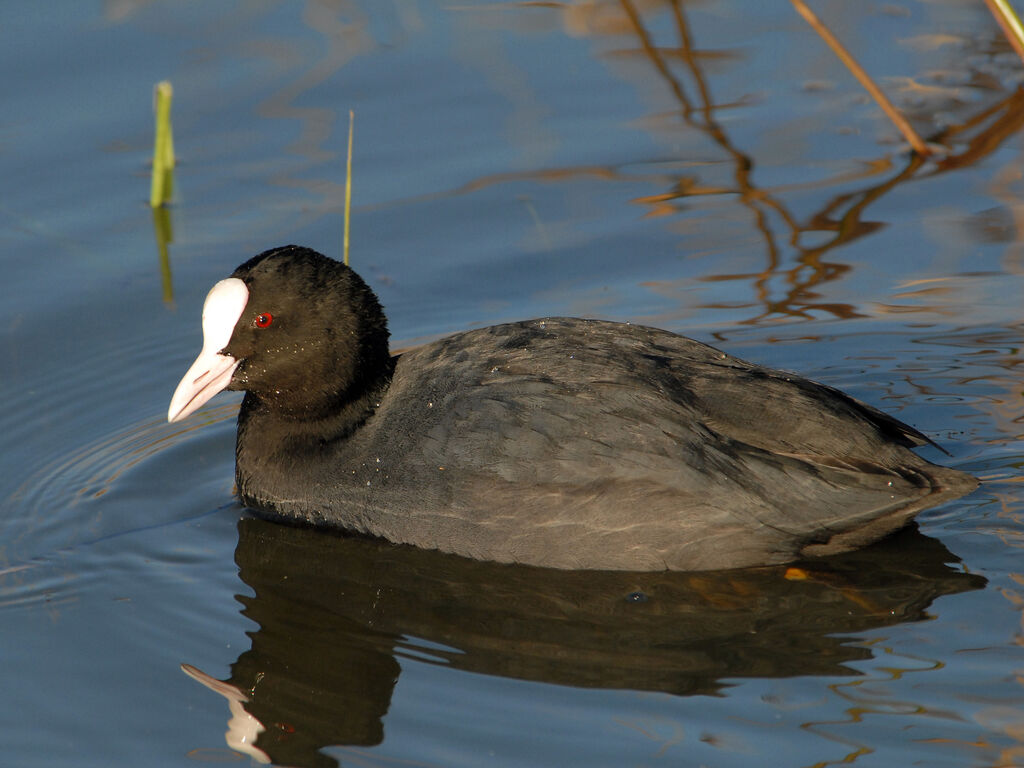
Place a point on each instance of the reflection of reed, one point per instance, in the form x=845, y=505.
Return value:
x=843, y=215
x=749, y=196
x=796, y=248
x=164, y=232
x=796, y=264
x=865, y=700
x=810, y=269
x=984, y=132
x=999, y=714
x=344, y=36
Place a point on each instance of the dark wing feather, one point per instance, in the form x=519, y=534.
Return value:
x=672, y=452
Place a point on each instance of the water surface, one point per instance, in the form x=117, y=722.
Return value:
x=708, y=168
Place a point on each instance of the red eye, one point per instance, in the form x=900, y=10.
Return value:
x=264, y=319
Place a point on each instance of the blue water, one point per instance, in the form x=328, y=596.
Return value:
x=511, y=161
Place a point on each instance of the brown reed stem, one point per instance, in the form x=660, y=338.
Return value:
x=1009, y=22
x=865, y=80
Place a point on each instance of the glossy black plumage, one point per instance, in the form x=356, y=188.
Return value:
x=558, y=442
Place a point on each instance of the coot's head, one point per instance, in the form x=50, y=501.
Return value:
x=297, y=330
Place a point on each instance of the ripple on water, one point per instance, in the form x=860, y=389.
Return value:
x=88, y=453
x=115, y=485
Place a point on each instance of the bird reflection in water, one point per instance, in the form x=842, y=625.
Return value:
x=336, y=614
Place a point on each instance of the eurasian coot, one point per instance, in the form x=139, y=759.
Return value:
x=557, y=442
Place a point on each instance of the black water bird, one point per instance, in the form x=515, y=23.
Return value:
x=558, y=442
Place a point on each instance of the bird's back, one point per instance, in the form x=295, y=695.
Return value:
x=586, y=444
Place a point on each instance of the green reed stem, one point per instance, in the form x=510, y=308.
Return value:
x=162, y=183
x=348, y=184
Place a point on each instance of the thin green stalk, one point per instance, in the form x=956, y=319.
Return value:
x=348, y=183
x=164, y=236
x=161, y=186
